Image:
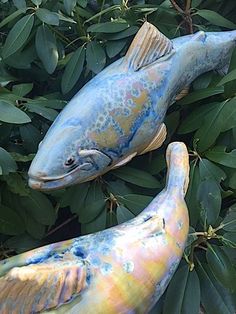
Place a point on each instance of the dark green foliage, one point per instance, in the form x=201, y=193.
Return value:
x=50, y=49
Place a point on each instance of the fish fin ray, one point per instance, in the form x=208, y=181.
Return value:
x=38, y=287
x=157, y=141
x=148, y=46
x=201, y=36
x=184, y=92
x=124, y=161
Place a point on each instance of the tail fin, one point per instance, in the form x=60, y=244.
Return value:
x=178, y=168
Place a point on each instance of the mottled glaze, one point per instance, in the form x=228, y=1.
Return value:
x=124, y=269
x=118, y=113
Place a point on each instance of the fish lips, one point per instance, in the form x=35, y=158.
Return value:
x=80, y=174
x=86, y=171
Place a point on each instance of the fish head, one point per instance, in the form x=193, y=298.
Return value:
x=64, y=159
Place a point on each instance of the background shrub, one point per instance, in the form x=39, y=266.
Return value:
x=49, y=50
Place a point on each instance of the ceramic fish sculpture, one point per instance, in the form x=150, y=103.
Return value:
x=119, y=113
x=124, y=269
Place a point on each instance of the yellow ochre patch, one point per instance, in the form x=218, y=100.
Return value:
x=126, y=122
x=107, y=138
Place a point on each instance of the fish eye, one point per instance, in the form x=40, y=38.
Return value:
x=70, y=161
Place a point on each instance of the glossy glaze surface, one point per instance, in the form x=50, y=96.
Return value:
x=124, y=269
x=117, y=114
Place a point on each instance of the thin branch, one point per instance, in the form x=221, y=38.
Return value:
x=177, y=7
x=186, y=14
x=60, y=226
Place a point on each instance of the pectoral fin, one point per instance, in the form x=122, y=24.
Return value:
x=34, y=288
x=157, y=141
x=148, y=46
x=124, y=161
x=183, y=93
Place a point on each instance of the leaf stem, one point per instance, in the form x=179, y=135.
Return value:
x=60, y=226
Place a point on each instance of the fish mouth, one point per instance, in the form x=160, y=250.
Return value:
x=58, y=182
x=96, y=165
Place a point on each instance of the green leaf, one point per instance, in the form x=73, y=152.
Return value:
x=229, y=222
x=191, y=196
x=20, y=4
x=156, y=165
x=108, y=27
x=39, y=207
x=7, y=163
x=201, y=94
x=49, y=103
x=135, y=202
x=202, y=81
x=22, y=243
x=82, y=3
x=22, y=158
x=18, y=35
x=229, y=115
x=78, y=196
x=137, y=177
x=118, y=187
x=22, y=89
x=69, y=5
x=93, y=204
x=183, y=293
x=220, y=156
x=35, y=229
x=37, y=2
x=209, y=196
x=16, y=184
x=47, y=16
x=191, y=238
x=230, y=87
x=98, y=224
x=124, y=34
x=95, y=56
x=123, y=214
x=229, y=238
x=194, y=120
x=208, y=170
x=228, y=77
x=216, y=19
x=10, y=222
x=73, y=70
x=211, y=290
x=22, y=59
x=114, y=47
x=213, y=124
x=47, y=113
x=46, y=48
x=31, y=137
x=9, y=113
x=232, y=180
x=11, y=17
x=221, y=267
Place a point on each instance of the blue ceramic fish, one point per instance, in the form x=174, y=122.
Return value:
x=121, y=270
x=119, y=113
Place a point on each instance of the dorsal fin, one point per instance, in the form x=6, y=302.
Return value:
x=148, y=46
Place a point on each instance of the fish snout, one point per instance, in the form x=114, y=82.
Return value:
x=34, y=184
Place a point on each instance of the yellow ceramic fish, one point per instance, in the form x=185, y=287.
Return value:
x=121, y=270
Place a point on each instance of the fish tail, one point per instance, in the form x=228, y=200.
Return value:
x=178, y=168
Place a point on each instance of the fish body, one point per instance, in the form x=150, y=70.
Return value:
x=124, y=269
x=120, y=112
